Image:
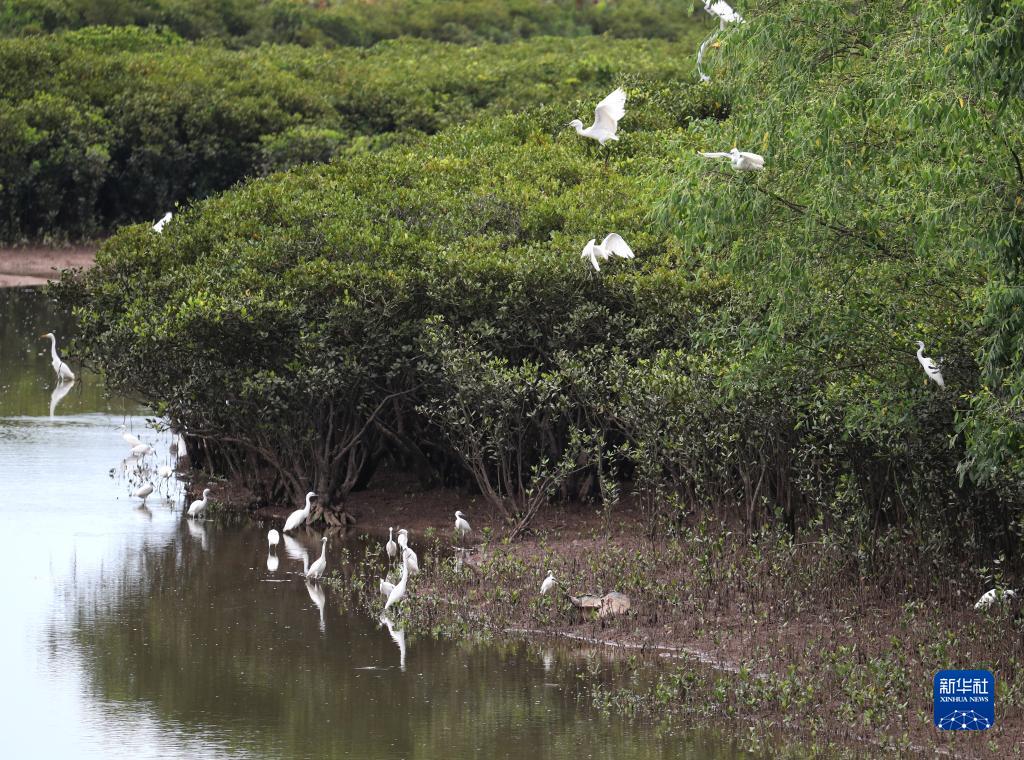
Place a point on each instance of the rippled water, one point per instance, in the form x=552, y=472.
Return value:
x=131, y=632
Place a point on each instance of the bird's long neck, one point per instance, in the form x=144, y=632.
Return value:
x=578, y=128
x=323, y=552
x=920, y=353
x=53, y=349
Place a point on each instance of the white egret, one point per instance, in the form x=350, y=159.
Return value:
x=410, y=558
x=606, y=118
x=143, y=492
x=461, y=526
x=398, y=591
x=273, y=538
x=403, y=539
x=64, y=373
x=612, y=244
x=741, y=161
x=316, y=570
x=398, y=637
x=386, y=588
x=319, y=599
x=177, y=447
x=130, y=439
x=700, y=56
x=165, y=471
x=142, y=450
x=723, y=12
x=272, y=562
x=930, y=368
x=197, y=507
x=391, y=547
x=993, y=596
x=299, y=516
x=548, y=584
x=60, y=390
x=159, y=226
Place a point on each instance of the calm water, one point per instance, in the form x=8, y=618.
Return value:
x=134, y=633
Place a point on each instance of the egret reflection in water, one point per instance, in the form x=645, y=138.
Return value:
x=319, y=599
x=398, y=637
x=198, y=531
x=60, y=390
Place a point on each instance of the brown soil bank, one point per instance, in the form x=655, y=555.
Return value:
x=808, y=642
x=35, y=265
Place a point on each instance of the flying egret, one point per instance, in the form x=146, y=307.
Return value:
x=386, y=588
x=391, y=547
x=64, y=373
x=130, y=439
x=273, y=538
x=930, y=368
x=197, y=507
x=992, y=596
x=398, y=592
x=612, y=244
x=403, y=538
x=398, y=637
x=606, y=118
x=299, y=516
x=316, y=570
x=143, y=492
x=741, y=161
x=409, y=558
x=159, y=226
x=548, y=584
x=723, y=12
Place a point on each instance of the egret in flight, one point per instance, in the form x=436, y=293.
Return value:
x=930, y=368
x=159, y=226
x=741, y=161
x=992, y=596
x=398, y=591
x=391, y=547
x=316, y=570
x=64, y=373
x=144, y=492
x=197, y=507
x=548, y=583
x=606, y=118
x=612, y=244
x=299, y=516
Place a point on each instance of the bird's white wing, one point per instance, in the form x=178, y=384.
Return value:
x=615, y=244
x=724, y=11
x=610, y=110
x=589, y=254
x=757, y=158
x=717, y=155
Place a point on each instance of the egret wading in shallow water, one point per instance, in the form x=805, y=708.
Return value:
x=64, y=373
x=316, y=570
x=398, y=591
x=299, y=516
x=741, y=161
x=548, y=584
x=391, y=547
x=144, y=492
x=606, y=119
x=159, y=226
x=930, y=367
x=142, y=450
x=130, y=439
x=613, y=244
x=273, y=538
x=197, y=507
x=165, y=471
x=993, y=596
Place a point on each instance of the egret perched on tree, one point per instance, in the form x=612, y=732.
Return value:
x=64, y=373
x=273, y=538
x=143, y=492
x=398, y=591
x=159, y=226
x=992, y=596
x=391, y=547
x=317, y=568
x=606, y=118
x=403, y=539
x=197, y=507
x=740, y=160
x=299, y=516
x=930, y=368
x=612, y=244
x=548, y=583
x=386, y=588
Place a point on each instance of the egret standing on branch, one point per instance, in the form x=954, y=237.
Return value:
x=606, y=118
x=159, y=226
x=930, y=368
x=740, y=160
x=299, y=516
x=612, y=244
x=64, y=373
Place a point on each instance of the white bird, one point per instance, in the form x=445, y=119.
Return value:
x=410, y=559
x=177, y=447
x=143, y=492
x=548, y=583
x=64, y=373
x=606, y=118
x=391, y=546
x=273, y=538
x=197, y=507
x=992, y=596
x=398, y=591
x=386, y=588
x=142, y=450
x=403, y=539
x=461, y=524
x=930, y=368
x=398, y=637
x=272, y=562
x=130, y=439
x=165, y=471
x=700, y=56
x=723, y=12
x=316, y=570
x=299, y=516
x=741, y=160
x=612, y=244
x=159, y=226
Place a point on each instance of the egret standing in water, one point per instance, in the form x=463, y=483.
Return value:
x=548, y=584
x=142, y=450
x=130, y=439
x=391, y=547
x=299, y=516
x=398, y=591
x=197, y=507
x=612, y=244
x=64, y=373
x=930, y=367
x=273, y=538
x=741, y=161
x=159, y=226
x=144, y=492
x=316, y=570
x=606, y=119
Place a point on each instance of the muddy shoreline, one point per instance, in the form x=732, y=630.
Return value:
x=31, y=266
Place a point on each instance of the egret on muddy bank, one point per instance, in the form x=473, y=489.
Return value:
x=613, y=244
x=930, y=367
x=606, y=118
x=741, y=160
x=299, y=516
x=64, y=373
